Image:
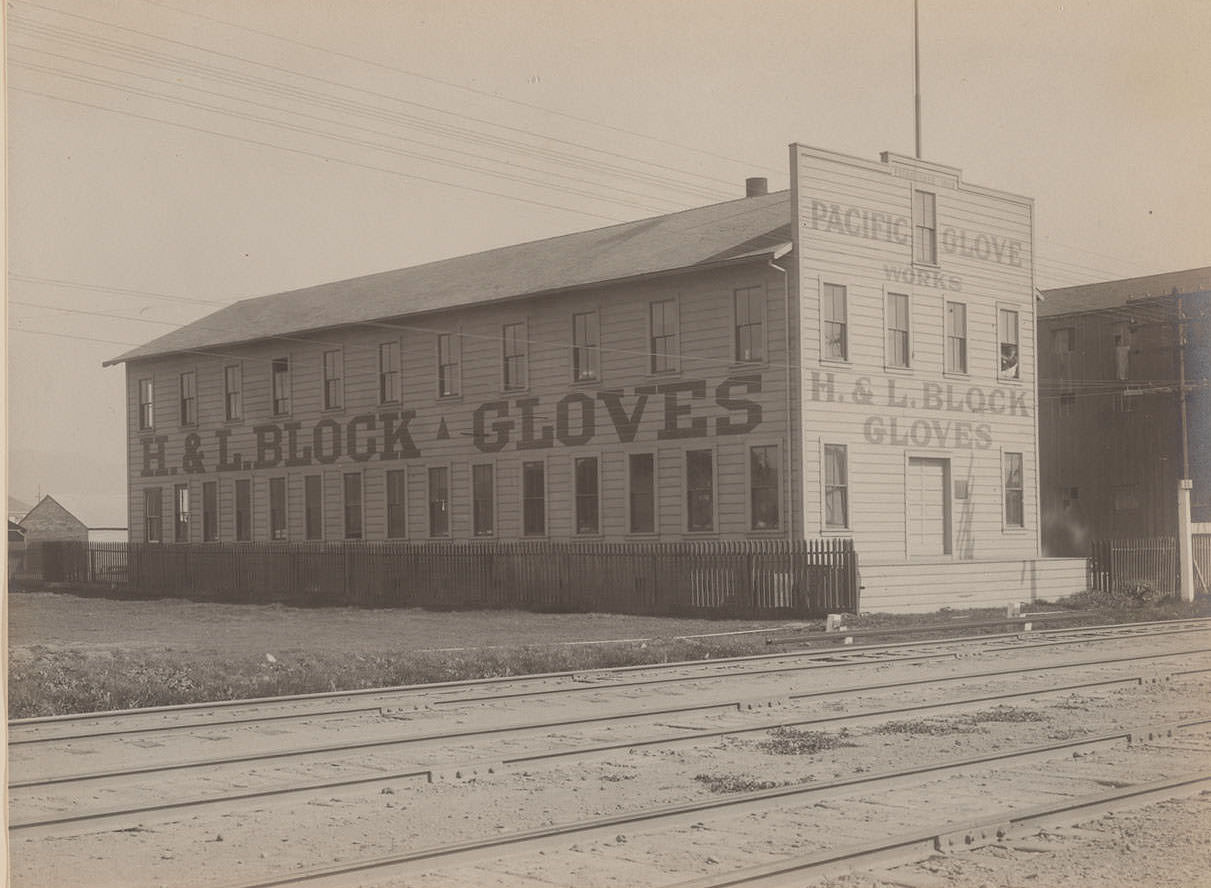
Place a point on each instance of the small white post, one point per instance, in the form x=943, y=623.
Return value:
x=1185, y=541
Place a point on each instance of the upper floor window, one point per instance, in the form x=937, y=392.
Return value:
x=233, y=391
x=835, y=311
x=662, y=336
x=281, y=386
x=514, y=356
x=388, y=373
x=449, y=360
x=1007, y=332
x=897, y=330
x=332, y=379
x=925, y=227
x=956, y=337
x=147, y=414
x=586, y=346
x=189, y=398
x=750, y=324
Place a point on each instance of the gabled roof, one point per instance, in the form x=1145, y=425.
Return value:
x=50, y=509
x=1115, y=294
x=734, y=231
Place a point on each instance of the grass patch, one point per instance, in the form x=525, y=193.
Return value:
x=792, y=741
x=728, y=783
x=969, y=723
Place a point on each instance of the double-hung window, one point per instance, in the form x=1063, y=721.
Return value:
x=925, y=227
x=353, y=505
x=513, y=357
x=588, y=518
x=586, y=346
x=180, y=523
x=333, y=394
x=388, y=373
x=277, y=508
x=210, y=511
x=956, y=337
x=1007, y=333
x=313, y=507
x=835, y=313
x=153, y=514
x=189, y=398
x=1014, y=507
x=396, y=484
x=233, y=392
x=439, y=501
x=700, y=490
x=533, y=498
x=897, y=330
x=281, y=386
x=763, y=487
x=750, y=324
x=641, y=470
x=836, y=486
x=146, y=404
x=483, y=506
x=662, y=336
x=449, y=360
x=243, y=510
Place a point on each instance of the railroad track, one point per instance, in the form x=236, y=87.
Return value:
x=627, y=727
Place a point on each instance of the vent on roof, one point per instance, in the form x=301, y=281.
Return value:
x=756, y=186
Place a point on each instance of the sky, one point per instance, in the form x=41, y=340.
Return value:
x=167, y=158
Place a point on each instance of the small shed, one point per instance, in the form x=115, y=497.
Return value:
x=49, y=521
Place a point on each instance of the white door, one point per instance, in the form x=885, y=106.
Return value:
x=928, y=503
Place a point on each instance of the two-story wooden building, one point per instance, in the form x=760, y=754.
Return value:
x=854, y=357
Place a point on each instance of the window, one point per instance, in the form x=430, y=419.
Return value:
x=834, y=311
x=750, y=324
x=533, y=499
x=662, y=339
x=180, y=513
x=836, y=486
x=586, y=346
x=189, y=398
x=396, y=487
x=146, y=404
x=1014, y=511
x=233, y=391
x=1063, y=340
x=281, y=386
x=513, y=346
x=332, y=379
x=353, y=505
x=700, y=490
x=1125, y=497
x=388, y=373
x=277, y=508
x=956, y=337
x=243, y=510
x=439, y=502
x=1007, y=333
x=897, y=330
x=587, y=520
x=313, y=507
x=210, y=511
x=925, y=225
x=448, y=358
x=482, y=506
x=763, y=486
x=642, y=493
x=153, y=516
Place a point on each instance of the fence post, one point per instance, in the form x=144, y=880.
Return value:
x=1185, y=542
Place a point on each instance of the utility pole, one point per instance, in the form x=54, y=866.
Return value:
x=1181, y=382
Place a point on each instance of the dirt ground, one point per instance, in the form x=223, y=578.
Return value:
x=60, y=621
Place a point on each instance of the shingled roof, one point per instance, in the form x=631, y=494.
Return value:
x=701, y=238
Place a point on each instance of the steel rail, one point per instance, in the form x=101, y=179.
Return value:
x=563, y=723
x=501, y=765
x=337, y=875
x=848, y=650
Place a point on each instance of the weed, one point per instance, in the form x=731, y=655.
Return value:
x=791, y=741
x=960, y=724
x=721, y=783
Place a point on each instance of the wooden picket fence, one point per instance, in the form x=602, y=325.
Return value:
x=1125, y=565
x=750, y=578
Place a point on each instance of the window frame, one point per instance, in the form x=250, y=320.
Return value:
x=279, y=512
x=353, y=509
x=332, y=369
x=210, y=511
x=187, y=389
x=396, y=512
x=447, y=511
x=948, y=337
x=1007, y=522
x=515, y=335
x=688, y=491
x=843, y=485
x=281, y=395
x=924, y=227
x=663, y=347
x=652, y=493
x=147, y=404
x=153, y=519
x=742, y=324
x=449, y=353
x=585, y=354
x=905, y=334
x=777, y=486
x=579, y=497
x=1016, y=374
x=527, y=499
x=313, y=508
x=827, y=305
x=389, y=373
x=180, y=513
x=480, y=528
x=233, y=394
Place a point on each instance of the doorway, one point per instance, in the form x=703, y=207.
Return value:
x=927, y=501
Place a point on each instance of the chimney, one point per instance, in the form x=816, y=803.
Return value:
x=756, y=186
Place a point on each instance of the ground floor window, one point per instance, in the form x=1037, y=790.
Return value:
x=700, y=490
x=587, y=495
x=210, y=511
x=533, y=499
x=763, y=487
x=836, y=486
x=277, y=508
x=642, y=493
x=396, y=485
x=180, y=523
x=482, y=506
x=353, y=506
x=153, y=514
x=243, y=510
x=313, y=507
x=439, y=501
x=1014, y=511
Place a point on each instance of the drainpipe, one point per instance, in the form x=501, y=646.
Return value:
x=790, y=426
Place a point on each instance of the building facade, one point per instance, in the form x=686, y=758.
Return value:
x=854, y=357
x=1125, y=412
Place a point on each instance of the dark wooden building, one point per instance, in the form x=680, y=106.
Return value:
x=1124, y=407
